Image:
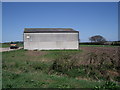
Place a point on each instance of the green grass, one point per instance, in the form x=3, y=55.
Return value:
x=97, y=46
x=4, y=45
x=42, y=80
x=21, y=70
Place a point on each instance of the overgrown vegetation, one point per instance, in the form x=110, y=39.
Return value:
x=97, y=67
x=59, y=69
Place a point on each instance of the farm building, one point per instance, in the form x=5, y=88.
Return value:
x=50, y=38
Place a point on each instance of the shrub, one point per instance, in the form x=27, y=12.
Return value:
x=64, y=63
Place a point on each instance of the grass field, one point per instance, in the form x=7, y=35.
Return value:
x=59, y=68
x=4, y=45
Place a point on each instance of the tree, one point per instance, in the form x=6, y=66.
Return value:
x=97, y=38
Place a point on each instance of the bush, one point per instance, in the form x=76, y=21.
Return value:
x=64, y=63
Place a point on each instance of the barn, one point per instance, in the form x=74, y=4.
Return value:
x=50, y=38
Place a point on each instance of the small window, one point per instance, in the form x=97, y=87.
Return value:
x=28, y=37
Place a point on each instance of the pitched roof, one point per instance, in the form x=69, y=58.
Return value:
x=48, y=30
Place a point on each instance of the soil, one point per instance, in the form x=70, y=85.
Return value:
x=36, y=53
x=97, y=50
x=97, y=55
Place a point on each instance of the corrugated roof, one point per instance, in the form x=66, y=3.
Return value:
x=48, y=30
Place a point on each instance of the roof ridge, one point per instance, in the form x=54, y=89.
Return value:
x=30, y=30
x=47, y=28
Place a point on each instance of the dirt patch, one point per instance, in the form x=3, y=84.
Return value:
x=35, y=53
x=98, y=56
x=108, y=50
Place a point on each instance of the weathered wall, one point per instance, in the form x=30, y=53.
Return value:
x=48, y=41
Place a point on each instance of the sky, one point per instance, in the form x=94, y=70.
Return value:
x=89, y=18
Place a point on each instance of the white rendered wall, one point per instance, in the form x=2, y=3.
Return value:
x=47, y=41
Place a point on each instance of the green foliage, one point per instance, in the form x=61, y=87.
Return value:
x=76, y=71
x=108, y=85
x=117, y=78
x=64, y=63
